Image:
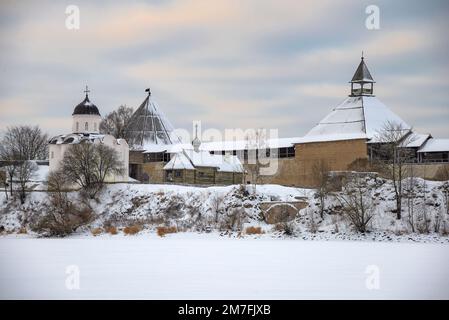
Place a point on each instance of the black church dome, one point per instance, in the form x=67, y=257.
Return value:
x=86, y=107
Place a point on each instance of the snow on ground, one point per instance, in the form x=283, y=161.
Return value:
x=205, y=266
x=192, y=209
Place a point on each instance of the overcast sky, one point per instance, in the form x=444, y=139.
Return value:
x=230, y=64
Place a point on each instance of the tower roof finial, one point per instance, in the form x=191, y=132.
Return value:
x=196, y=141
x=86, y=91
x=148, y=90
x=362, y=54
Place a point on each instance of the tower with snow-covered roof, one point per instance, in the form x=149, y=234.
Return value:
x=151, y=139
x=360, y=116
x=149, y=128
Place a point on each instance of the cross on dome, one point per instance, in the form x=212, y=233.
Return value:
x=86, y=91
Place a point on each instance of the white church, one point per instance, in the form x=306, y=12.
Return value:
x=86, y=120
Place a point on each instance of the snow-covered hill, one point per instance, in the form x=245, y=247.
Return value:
x=231, y=209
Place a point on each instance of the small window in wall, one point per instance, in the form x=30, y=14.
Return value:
x=95, y=126
x=77, y=127
x=86, y=126
x=52, y=154
x=287, y=152
x=178, y=173
x=157, y=157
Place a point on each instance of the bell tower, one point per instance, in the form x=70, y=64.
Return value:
x=362, y=82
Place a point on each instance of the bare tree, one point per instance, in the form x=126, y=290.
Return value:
x=256, y=150
x=410, y=194
x=116, y=123
x=10, y=172
x=216, y=202
x=320, y=173
x=443, y=175
x=356, y=198
x=18, y=144
x=392, y=142
x=88, y=165
x=24, y=172
x=4, y=182
x=58, y=184
x=24, y=143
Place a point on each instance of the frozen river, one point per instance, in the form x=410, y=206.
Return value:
x=190, y=266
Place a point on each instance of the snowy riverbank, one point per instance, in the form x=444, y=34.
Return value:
x=228, y=211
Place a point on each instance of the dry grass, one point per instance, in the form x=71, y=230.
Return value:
x=96, y=231
x=111, y=229
x=279, y=227
x=130, y=230
x=22, y=230
x=254, y=230
x=162, y=231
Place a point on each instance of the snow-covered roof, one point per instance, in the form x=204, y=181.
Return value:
x=75, y=138
x=189, y=159
x=149, y=127
x=355, y=118
x=436, y=145
x=228, y=145
x=179, y=161
x=228, y=163
x=416, y=140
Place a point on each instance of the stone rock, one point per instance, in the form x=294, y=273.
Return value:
x=277, y=212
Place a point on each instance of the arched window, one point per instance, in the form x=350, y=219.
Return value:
x=77, y=127
x=52, y=154
x=95, y=126
x=86, y=126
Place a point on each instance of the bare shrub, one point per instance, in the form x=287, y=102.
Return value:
x=162, y=231
x=22, y=230
x=55, y=223
x=356, y=198
x=96, y=231
x=233, y=220
x=312, y=226
x=216, y=203
x=443, y=175
x=321, y=178
x=62, y=216
x=253, y=230
x=286, y=228
x=132, y=230
x=111, y=230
